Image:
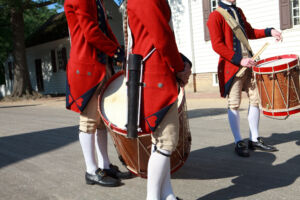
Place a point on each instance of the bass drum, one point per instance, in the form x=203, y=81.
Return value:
x=135, y=153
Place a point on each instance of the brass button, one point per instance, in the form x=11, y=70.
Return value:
x=77, y=71
x=160, y=85
x=89, y=73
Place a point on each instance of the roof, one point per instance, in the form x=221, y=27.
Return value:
x=54, y=28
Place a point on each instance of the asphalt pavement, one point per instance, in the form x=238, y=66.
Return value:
x=41, y=158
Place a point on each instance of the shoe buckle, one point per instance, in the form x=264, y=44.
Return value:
x=240, y=145
x=260, y=140
x=102, y=173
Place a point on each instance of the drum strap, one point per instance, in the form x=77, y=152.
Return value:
x=236, y=28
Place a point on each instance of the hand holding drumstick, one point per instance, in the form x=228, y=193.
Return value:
x=250, y=62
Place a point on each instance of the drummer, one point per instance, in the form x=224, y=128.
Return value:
x=233, y=55
x=88, y=69
x=149, y=22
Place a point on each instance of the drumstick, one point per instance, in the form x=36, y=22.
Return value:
x=254, y=58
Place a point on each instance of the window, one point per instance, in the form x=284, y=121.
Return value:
x=295, y=12
x=289, y=13
x=62, y=58
x=53, y=61
x=208, y=6
x=213, y=5
x=215, y=79
x=10, y=70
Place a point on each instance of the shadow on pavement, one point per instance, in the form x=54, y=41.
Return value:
x=19, y=147
x=204, y=112
x=250, y=175
x=18, y=106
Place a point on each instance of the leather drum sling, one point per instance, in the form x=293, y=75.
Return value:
x=237, y=30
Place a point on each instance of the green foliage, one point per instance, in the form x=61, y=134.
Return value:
x=5, y=33
x=33, y=18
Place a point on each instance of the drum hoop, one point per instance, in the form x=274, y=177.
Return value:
x=281, y=112
x=277, y=68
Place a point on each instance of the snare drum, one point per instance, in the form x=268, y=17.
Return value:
x=135, y=153
x=277, y=80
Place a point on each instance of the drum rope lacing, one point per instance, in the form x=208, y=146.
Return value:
x=274, y=78
x=281, y=93
x=295, y=84
x=266, y=91
x=286, y=102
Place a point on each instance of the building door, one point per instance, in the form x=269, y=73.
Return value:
x=39, y=75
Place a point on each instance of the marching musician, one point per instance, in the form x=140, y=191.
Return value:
x=233, y=55
x=164, y=70
x=92, y=43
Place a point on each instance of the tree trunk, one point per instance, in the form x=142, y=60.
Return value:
x=21, y=84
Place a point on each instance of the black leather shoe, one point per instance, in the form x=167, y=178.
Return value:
x=241, y=149
x=101, y=178
x=177, y=198
x=114, y=171
x=260, y=145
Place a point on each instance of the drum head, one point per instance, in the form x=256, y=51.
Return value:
x=277, y=62
x=114, y=100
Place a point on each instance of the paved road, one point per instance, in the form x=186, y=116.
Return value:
x=41, y=159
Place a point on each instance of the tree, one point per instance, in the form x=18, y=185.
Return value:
x=14, y=11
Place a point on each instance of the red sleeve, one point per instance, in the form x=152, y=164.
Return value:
x=91, y=30
x=152, y=14
x=216, y=32
x=251, y=32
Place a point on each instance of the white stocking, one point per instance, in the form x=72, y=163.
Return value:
x=253, y=119
x=158, y=168
x=101, y=147
x=87, y=142
x=167, y=191
x=234, y=120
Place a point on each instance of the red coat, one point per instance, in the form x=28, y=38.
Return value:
x=84, y=72
x=228, y=46
x=149, y=23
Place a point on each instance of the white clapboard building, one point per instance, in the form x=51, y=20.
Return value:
x=190, y=16
x=47, y=56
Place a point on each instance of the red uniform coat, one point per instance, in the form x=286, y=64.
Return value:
x=225, y=43
x=84, y=72
x=149, y=23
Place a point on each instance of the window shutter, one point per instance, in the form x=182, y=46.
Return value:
x=53, y=61
x=285, y=14
x=206, y=12
x=64, y=57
